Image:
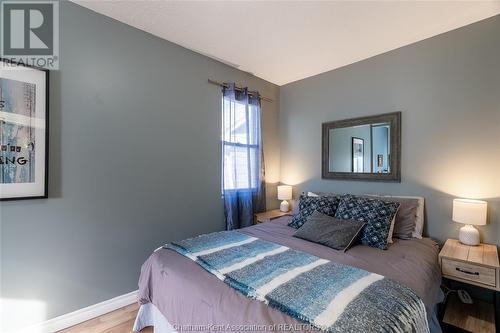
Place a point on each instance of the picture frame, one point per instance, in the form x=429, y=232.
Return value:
x=24, y=131
x=380, y=160
x=358, y=154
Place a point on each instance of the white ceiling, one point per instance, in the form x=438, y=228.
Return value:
x=285, y=41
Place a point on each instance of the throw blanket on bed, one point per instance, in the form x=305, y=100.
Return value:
x=328, y=295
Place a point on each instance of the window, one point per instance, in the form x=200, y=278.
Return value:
x=240, y=145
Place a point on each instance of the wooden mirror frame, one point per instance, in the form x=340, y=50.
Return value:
x=394, y=119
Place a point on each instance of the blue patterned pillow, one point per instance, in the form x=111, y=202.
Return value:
x=308, y=205
x=376, y=213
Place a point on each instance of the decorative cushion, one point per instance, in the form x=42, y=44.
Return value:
x=295, y=209
x=376, y=213
x=330, y=231
x=307, y=206
x=409, y=217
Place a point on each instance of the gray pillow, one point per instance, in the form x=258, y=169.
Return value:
x=406, y=217
x=329, y=231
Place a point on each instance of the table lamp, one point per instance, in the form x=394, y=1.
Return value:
x=470, y=212
x=284, y=193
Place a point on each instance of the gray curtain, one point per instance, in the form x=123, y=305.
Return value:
x=243, y=183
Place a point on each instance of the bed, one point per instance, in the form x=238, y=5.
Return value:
x=176, y=294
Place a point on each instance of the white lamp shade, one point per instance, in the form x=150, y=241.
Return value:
x=284, y=192
x=469, y=211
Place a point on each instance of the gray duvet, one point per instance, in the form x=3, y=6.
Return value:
x=193, y=299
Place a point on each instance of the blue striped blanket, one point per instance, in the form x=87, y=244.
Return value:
x=330, y=296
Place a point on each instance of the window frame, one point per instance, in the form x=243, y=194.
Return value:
x=253, y=146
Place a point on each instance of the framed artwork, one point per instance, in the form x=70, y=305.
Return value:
x=358, y=153
x=380, y=160
x=24, y=101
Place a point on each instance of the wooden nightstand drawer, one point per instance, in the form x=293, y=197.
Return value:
x=477, y=265
x=469, y=272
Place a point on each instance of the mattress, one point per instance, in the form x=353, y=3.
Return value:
x=192, y=299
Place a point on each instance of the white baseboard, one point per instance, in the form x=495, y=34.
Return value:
x=79, y=316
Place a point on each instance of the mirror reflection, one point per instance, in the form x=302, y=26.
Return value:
x=360, y=149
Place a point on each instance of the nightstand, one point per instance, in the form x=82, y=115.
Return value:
x=269, y=215
x=475, y=265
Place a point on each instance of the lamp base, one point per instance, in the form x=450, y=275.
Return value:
x=469, y=235
x=285, y=206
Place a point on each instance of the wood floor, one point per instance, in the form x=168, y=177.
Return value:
x=118, y=321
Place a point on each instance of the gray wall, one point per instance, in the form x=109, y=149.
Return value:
x=134, y=163
x=448, y=88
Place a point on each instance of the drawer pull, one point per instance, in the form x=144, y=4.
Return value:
x=467, y=272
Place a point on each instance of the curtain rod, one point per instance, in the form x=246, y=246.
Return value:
x=225, y=85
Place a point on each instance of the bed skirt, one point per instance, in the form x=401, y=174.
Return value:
x=149, y=315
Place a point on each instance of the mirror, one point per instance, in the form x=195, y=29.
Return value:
x=360, y=149
x=365, y=148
